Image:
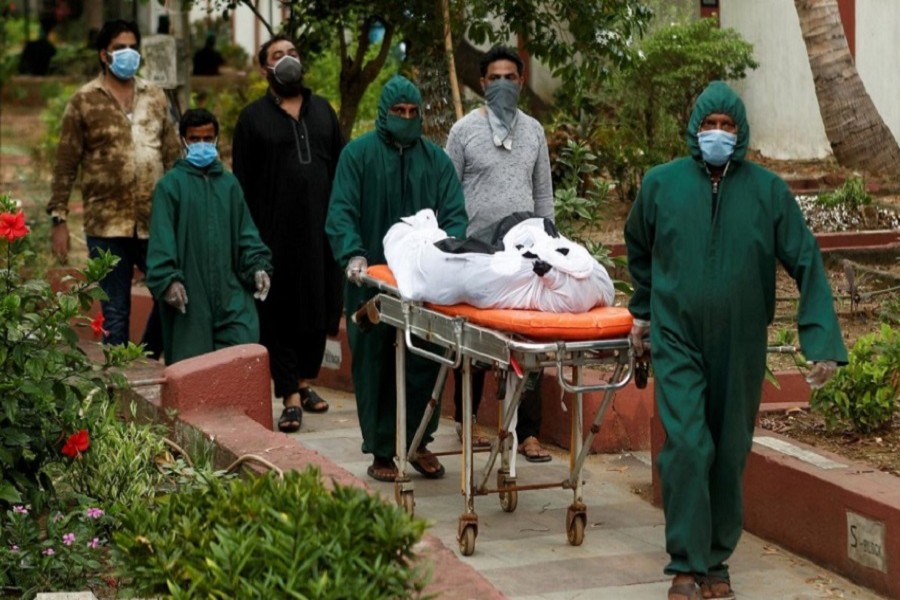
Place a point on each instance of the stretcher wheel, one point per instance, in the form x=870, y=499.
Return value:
x=406, y=499
x=575, y=529
x=508, y=500
x=467, y=540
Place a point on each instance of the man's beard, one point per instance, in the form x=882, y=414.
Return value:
x=284, y=90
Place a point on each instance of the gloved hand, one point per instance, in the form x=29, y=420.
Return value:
x=263, y=283
x=821, y=372
x=176, y=296
x=639, y=329
x=356, y=268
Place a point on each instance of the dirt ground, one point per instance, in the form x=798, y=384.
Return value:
x=21, y=129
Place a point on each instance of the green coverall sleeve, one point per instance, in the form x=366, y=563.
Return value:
x=163, y=266
x=253, y=254
x=342, y=223
x=451, y=210
x=639, y=234
x=798, y=251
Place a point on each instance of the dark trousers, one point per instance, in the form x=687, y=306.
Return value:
x=132, y=252
x=529, y=423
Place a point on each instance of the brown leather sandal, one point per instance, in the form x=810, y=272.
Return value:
x=717, y=588
x=532, y=450
x=684, y=591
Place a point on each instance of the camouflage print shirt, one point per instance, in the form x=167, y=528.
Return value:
x=120, y=158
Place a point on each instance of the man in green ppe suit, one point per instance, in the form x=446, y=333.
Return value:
x=704, y=238
x=382, y=176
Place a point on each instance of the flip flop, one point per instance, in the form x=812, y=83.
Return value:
x=382, y=470
x=290, y=420
x=532, y=450
x=423, y=458
x=312, y=402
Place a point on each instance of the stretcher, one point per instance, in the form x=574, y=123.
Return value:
x=458, y=335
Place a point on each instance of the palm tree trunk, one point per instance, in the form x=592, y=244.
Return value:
x=858, y=136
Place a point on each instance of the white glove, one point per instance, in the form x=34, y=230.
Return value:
x=639, y=329
x=176, y=296
x=263, y=283
x=356, y=268
x=821, y=372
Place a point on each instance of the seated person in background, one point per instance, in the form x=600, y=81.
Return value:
x=223, y=267
x=207, y=59
x=37, y=54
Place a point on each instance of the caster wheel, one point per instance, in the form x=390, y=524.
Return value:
x=467, y=541
x=575, y=529
x=508, y=500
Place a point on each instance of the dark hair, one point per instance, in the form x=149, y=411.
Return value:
x=197, y=117
x=500, y=53
x=112, y=29
x=264, y=49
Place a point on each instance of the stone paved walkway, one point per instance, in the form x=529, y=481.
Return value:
x=525, y=554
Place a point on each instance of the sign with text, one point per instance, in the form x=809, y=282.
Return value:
x=160, y=61
x=332, y=358
x=865, y=541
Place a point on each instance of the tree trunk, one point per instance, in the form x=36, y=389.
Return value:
x=93, y=18
x=858, y=136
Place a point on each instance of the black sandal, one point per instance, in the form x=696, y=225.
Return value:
x=290, y=420
x=312, y=402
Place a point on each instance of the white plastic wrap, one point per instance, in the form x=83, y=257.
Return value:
x=575, y=283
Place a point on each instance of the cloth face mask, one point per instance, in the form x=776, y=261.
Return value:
x=502, y=99
x=288, y=70
x=201, y=154
x=716, y=146
x=125, y=63
x=404, y=131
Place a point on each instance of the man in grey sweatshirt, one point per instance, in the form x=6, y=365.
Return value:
x=501, y=157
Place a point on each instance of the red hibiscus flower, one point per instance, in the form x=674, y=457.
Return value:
x=97, y=325
x=12, y=226
x=76, y=444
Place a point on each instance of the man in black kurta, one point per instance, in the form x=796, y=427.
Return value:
x=286, y=148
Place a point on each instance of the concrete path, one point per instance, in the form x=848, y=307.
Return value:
x=525, y=554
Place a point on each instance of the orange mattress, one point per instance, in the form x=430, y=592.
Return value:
x=597, y=323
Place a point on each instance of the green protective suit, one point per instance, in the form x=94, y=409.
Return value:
x=378, y=181
x=202, y=235
x=703, y=264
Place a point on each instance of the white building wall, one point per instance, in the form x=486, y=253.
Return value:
x=878, y=56
x=780, y=96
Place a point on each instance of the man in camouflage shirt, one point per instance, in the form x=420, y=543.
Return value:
x=118, y=130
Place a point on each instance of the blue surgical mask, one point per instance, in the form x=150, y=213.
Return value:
x=201, y=154
x=716, y=146
x=125, y=63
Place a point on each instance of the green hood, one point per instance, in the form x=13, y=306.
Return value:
x=398, y=89
x=719, y=98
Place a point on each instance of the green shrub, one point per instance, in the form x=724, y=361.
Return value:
x=45, y=376
x=44, y=152
x=639, y=117
x=852, y=195
x=864, y=394
x=269, y=538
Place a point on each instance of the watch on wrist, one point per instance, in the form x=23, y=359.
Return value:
x=57, y=220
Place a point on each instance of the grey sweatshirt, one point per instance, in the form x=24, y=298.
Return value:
x=498, y=182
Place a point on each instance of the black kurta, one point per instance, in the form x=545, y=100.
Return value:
x=285, y=167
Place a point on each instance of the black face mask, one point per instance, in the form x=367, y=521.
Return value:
x=284, y=90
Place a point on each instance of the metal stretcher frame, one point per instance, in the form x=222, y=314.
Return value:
x=463, y=342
